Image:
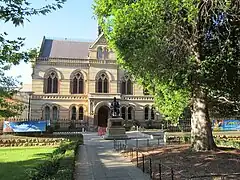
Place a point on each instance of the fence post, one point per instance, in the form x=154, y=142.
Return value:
x=114, y=144
x=137, y=156
x=172, y=173
x=143, y=159
x=150, y=167
x=132, y=153
x=160, y=171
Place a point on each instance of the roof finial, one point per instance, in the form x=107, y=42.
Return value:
x=99, y=30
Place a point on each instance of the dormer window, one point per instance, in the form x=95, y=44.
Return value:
x=105, y=53
x=99, y=53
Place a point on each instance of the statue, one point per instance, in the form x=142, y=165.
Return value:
x=115, y=108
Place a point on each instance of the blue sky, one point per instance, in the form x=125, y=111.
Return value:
x=74, y=21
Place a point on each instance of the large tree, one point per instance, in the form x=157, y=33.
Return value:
x=189, y=49
x=16, y=12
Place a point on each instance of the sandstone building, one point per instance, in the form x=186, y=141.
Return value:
x=76, y=81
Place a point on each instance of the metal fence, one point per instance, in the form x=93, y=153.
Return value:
x=138, y=151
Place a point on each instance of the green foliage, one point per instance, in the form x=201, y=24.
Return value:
x=16, y=12
x=60, y=165
x=180, y=47
x=228, y=143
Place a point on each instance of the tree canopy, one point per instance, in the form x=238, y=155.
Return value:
x=16, y=12
x=189, y=49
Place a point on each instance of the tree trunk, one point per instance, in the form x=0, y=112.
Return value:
x=201, y=131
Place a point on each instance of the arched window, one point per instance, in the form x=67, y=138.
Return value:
x=123, y=87
x=99, y=53
x=47, y=113
x=126, y=85
x=123, y=110
x=77, y=84
x=129, y=86
x=81, y=113
x=130, y=109
x=152, y=113
x=146, y=113
x=51, y=83
x=105, y=53
x=145, y=91
x=55, y=113
x=74, y=113
x=102, y=84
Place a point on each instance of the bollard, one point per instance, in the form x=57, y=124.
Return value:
x=132, y=153
x=126, y=142
x=147, y=142
x=172, y=175
x=136, y=143
x=150, y=167
x=160, y=171
x=143, y=167
x=158, y=142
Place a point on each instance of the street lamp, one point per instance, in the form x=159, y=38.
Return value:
x=30, y=93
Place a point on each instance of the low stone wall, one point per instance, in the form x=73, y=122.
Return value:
x=29, y=141
x=185, y=137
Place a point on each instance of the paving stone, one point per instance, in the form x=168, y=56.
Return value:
x=97, y=161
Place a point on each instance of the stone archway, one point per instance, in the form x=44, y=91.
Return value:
x=103, y=114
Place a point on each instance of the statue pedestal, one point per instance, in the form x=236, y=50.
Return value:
x=115, y=129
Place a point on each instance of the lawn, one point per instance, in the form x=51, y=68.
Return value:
x=15, y=161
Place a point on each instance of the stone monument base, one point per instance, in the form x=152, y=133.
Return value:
x=115, y=129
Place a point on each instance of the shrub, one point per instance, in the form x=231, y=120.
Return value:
x=50, y=168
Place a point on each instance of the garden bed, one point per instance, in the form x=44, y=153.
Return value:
x=187, y=164
x=36, y=163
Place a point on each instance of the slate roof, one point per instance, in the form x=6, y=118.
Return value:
x=64, y=49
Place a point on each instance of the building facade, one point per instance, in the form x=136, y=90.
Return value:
x=76, y=81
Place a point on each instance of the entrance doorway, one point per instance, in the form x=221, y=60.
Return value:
x=103, y=116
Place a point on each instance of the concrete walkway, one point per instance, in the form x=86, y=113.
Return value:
x=96, y=160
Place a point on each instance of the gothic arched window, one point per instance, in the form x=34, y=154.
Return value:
x=77, y=84
x=129, y=86
x=81, y=113
x=74, y=113
x=102, y=84
x=105, y=52
x=152, y=113
x=123, y=111
x=130, y=109
x=47, y=113
x=55, y=113
x=145, y=91
x=51, y=83
x=146, y=113
x=99, y=53
x=126, y=85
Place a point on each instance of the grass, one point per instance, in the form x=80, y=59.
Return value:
x=15, y=161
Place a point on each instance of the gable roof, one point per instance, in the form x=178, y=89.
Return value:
x=64, y=49
x=100, y=40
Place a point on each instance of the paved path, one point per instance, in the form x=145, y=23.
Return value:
x=96, y=160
